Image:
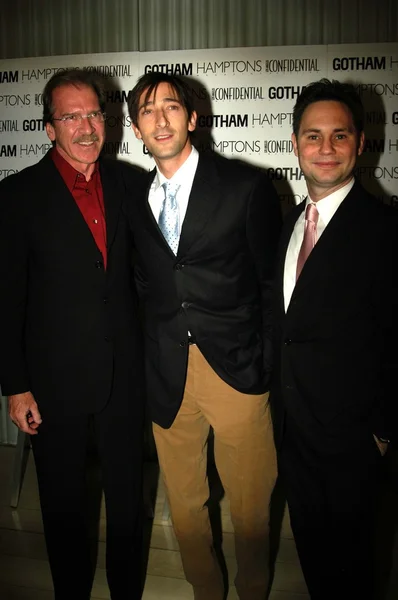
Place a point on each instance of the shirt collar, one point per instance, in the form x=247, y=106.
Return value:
x=183, y=174
x=328, y=205
x=67, y=172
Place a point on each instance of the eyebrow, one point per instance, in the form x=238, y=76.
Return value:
x=78, y=112
x=336, y=130
x=150, y=102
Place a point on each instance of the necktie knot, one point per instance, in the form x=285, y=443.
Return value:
x=170, y=190
x=311, y=213
x=169, y=215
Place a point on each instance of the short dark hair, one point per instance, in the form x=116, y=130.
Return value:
x=324, y=89
x=76, y=77
x=149, y=82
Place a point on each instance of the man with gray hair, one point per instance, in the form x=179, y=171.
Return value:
x=70, y=352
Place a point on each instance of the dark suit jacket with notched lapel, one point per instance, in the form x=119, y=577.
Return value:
x=69, y=330
x=336, y=346
x=218, y=287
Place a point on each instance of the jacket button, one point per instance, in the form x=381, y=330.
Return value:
x=287, y=342
x=99, y=264
x=178, y=267
x=186, y=305
x=183, y=344
x=105, y=300
x=107, y=338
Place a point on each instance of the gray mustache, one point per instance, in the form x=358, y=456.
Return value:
x=87, y=138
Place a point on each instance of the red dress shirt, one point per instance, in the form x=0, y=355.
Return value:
x=88, y=196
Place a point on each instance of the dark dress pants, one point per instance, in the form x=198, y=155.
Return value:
x=332, y=505
x=60, y=452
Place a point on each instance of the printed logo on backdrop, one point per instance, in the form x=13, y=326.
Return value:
x=380, y=146
x=359, y=63
x=237, y=93
x=179, y=69
x=8, y=125
x=116, y=148
x=364, y=63
x=292, y=65
x=12, y=125
x=272, y=119
x=378, y=89
x=230, y=67
x=9, y=76
x=244, y=99
x=211, y=121
x=27, y=75
x=115, y=121
x=13, y=100
x=37, y=150
x=114, y=96
x=8, y=151
x=377, y=172
x=285, y=174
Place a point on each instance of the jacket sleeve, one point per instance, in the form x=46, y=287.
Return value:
x=136, y=187
x=385, y=289
x=14, y=265
x=263, y=227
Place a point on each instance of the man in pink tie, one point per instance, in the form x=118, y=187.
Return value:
x=336, y=352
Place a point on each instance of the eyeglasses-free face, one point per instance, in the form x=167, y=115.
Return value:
x=164, y=126
x=78, y=127
x=327, y=147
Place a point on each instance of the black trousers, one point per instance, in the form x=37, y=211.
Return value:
x=332, y=505
x=60, y=452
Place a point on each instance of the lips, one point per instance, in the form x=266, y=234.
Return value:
x=327, y=165
x=163, y=136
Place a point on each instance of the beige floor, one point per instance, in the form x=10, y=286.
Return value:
x=24, y=571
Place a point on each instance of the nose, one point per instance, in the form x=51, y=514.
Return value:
x=161, y=119
x=87, y=125
x=326, y=146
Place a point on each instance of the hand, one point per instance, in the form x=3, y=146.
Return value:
x=24, y=412
x=382, y=446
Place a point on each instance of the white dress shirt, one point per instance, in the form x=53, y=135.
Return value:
x=184, y=178
x=326, y=208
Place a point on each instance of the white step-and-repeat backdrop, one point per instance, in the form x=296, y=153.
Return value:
x=244, y=99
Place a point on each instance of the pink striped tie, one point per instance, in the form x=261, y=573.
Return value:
x=309, y=239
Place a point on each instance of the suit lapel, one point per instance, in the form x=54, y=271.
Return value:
x=66, y=206
x=330, y=243
x=287, y=231
x=204, y=197
x=62, y=202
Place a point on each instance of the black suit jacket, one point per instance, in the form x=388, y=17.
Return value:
x=218, y=287
x=336, y=352
x=68, y=328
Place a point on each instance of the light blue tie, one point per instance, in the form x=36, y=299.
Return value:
x=169, y=216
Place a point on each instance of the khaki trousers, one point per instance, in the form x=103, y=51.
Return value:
x=246, y=462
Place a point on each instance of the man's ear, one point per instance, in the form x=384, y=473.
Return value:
x=192, y=121
x=294, y=142
x=50, y=132
x=361, y=143
x=136, y=131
